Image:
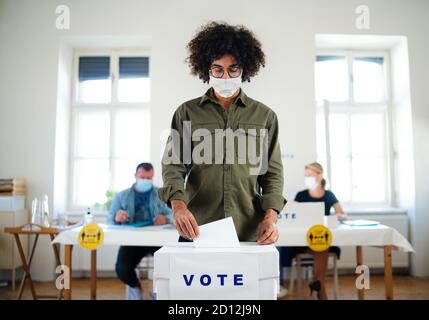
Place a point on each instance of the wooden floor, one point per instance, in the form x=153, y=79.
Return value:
x=405, y=287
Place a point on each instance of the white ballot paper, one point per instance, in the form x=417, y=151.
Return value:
x=218, y=234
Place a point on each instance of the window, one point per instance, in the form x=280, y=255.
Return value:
x=94, y=79
x=111, y=124
x=133, y=83
x=331, y=78
x=352, y=125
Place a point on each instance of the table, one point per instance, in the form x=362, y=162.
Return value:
x=378, y=236
x=37, y=230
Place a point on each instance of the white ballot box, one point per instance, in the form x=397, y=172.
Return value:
x=183, y=272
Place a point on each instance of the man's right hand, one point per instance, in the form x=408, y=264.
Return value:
x=121, y=216
x=184, y=220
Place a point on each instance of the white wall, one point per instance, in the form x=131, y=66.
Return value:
x=62, y=130
x=30, y=57
x=403, y=134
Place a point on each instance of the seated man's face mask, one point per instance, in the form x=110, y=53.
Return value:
x=143, y=185
x=225, y=87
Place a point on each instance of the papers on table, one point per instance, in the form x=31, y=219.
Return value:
x=218, y=234
x=360, y=223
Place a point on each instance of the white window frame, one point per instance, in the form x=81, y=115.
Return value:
x=351, y=107
x=112, y=107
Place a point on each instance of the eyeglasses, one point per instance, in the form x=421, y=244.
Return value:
x=234, y=71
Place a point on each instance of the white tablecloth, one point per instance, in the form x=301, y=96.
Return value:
x=124, y=235
x=342, y=235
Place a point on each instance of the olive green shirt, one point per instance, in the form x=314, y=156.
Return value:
x=217, y=189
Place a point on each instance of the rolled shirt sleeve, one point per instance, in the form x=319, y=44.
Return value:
x=173, y=168
x=271, y=182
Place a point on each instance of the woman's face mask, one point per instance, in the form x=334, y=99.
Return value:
x=310, y=182
x=143, y=185
x=225, y=87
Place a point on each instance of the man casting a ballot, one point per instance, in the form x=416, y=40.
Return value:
x=224, y=144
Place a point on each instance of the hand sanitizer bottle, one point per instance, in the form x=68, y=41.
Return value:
x=89, y=218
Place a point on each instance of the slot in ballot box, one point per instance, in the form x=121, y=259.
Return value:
x=183, y=272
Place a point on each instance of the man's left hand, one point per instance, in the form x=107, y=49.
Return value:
x=160, y=219
x=268, y=232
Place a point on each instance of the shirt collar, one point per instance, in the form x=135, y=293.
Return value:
x=240, y=100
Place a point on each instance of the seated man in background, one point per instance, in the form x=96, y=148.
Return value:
x=139, y=205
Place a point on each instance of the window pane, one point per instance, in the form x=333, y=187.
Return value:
x=368, y=180
x=134, y=82
x=91, y=181
x=331, y=79
x=339, y=135
x=368, y=79
x=94, y=79
x=92, y=134
x=95, y=91
x=132, y=134
x=134, y=90
x=133, y=67
x=124, y=170
x=368, y=135
x=341, y=181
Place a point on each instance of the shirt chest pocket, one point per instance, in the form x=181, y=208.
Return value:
x=203, y=142
x=251, y=142
x=213, y=145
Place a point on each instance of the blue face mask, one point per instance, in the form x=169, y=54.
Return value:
x=143, y=185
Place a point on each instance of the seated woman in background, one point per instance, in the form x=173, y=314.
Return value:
x=315, y=192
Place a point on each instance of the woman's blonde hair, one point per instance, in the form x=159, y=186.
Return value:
x=317, y=167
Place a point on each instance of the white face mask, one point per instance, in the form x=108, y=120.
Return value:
x=310, y=183
x=225, y=87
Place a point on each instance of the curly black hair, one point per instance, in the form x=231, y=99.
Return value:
x=216, y=39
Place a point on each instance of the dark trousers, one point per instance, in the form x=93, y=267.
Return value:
x=128, y=259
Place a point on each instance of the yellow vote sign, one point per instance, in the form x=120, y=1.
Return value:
x=319, y=238
x=91, y=236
